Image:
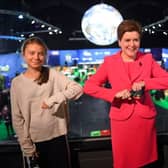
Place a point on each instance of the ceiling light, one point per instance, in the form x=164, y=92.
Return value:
x=31, y=35
x=33, y=21
x=56, y=30
x=165, y=33
x=20, y=16
x=29, y=30
x=42, y=25
x=50, y=33
x=157, y=27
x=60, y=32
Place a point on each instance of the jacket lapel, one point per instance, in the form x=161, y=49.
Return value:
x=138, y=68
x=121, y=71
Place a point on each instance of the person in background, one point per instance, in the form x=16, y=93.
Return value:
x=131, y=74
x=39, y=98
x=6, y=116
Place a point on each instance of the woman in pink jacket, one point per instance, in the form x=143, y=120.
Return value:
x=132, y=74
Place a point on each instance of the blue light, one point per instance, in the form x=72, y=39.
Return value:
x=11, y=37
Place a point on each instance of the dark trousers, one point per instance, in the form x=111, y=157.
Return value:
x=54, y=153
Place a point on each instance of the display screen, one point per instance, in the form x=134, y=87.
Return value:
x=165, y=57
x=89, y=117
x=79, y=56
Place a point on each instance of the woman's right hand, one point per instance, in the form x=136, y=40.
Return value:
x=44, y=106
x=124, y=94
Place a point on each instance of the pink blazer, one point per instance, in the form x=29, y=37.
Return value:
x=113, y=71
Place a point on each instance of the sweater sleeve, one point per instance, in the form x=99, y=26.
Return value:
x=64, y=89
x=25, y=142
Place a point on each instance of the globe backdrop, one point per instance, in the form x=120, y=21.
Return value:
x=99, y=24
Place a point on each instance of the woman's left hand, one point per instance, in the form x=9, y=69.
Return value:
x=138, y=86
x=44, y=106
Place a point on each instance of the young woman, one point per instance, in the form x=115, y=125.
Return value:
x=39, y=99
x=132, y=74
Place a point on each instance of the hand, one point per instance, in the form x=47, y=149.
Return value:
x=44, y=106
x=124, y=94
x=34, y=161
x=137, y=86
x=137, y=90
x=36, y=154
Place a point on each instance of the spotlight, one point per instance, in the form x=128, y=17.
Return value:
x=33, y=21
x=31, y=35
x=42, y=25
x=20, y=16
x=50, y=33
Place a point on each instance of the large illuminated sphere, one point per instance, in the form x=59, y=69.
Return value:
x=99, y=24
